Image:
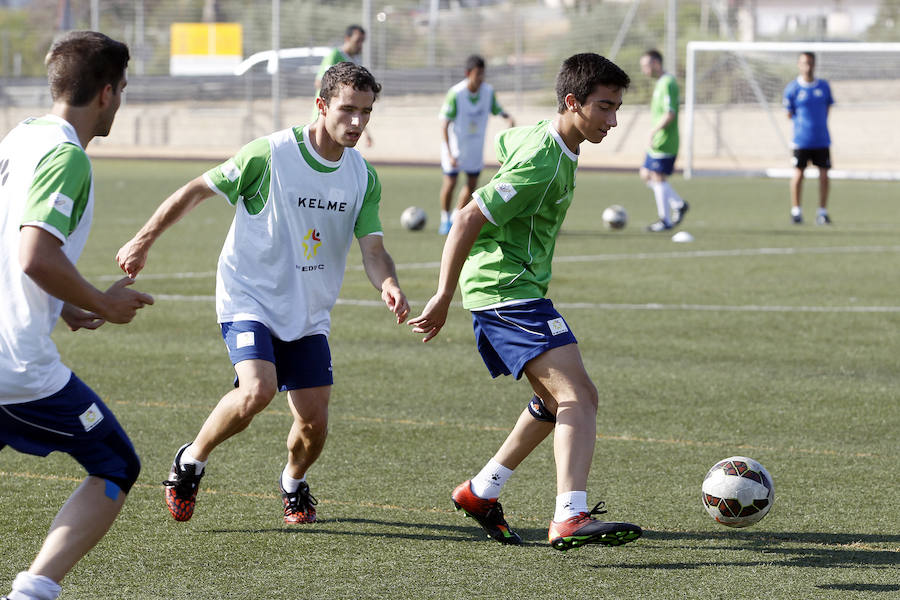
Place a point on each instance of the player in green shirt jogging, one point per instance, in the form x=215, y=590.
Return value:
x=660, y=161
x=500, y=250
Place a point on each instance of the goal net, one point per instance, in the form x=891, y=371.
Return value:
x=735, y=123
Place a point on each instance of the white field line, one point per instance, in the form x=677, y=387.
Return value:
x=588, y=258
x=650, y=306
x=607, y=306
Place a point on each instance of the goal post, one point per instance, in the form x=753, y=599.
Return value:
x=735, y=122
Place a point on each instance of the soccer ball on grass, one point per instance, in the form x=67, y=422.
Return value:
x=413, y=218
x=738, y=491
x=615, y=217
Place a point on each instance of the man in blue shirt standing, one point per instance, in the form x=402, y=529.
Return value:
x=807, y=101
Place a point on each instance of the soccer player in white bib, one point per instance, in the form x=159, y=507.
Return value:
x=464, y=116
x=500, y=251
x=300, y=197
x=46, y=209
x=808, y=100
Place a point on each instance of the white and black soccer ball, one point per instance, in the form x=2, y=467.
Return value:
x=413, y=218
x=738, y=491
x=615, y=217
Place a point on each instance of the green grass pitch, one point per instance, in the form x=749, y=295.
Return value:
x=760, y=338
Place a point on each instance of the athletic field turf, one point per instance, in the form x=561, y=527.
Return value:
x=760, y=338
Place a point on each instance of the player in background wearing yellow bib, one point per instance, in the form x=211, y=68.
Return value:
x=46, y=209
x=300, y=196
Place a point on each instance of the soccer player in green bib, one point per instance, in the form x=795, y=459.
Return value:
x=500, y=251
x=301, y=196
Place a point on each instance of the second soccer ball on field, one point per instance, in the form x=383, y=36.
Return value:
x=615, y=217
x=413, y=218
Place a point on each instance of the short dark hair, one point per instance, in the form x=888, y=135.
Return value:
x=351, y=28
x=347, y=73
x=811, y=55
x=474, y=62
x=81, y=63
x=654, y=54
x=582, y=73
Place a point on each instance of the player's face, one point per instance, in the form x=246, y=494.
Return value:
x=475, y=77
x=355, y=42
x=806, y=65
x=347, y=115
x=598, y=113
x=649, y=66
x=108, y=111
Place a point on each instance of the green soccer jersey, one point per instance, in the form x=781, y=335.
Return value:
x=246, y=178
x=525, y=204
x=665, y=100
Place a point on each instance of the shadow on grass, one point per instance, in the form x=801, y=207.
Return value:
x=843, y=554
x=411, y=531
x=860, y=587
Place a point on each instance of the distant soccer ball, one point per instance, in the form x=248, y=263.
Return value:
x=615, y=217
x=413, y=218
x=738, y=491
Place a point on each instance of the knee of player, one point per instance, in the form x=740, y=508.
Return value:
x=587, y=392
x=121, y=473
x=256, y=396
x=314, y=425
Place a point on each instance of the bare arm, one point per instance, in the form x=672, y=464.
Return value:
x=465, y=230
x=445, y=139
x=42, y=259
x=133, y=255
x=380, y=269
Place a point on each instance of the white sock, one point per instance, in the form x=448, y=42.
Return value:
x=795, y=210
x=662, y=204
x=33, y=587
x=675, y=201
x=289, y=484
x=188, y=458
x=569, y=504
x=490, y=480
x=445, y=216
x=822, y=211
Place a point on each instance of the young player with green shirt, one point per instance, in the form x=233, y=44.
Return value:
x=660, y=161
x=46, y=210
x=500, y=251
x=301, y=196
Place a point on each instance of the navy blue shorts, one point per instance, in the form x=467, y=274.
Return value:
x=74, y=420
x=664, y=165
x=302, y=363
x=455, y=173
x=510, y=336
x=819, y=157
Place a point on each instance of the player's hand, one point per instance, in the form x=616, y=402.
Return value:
x=77, y=318
x=132, y=257
x=454, y=162
x=432, y=318
x=122, y=303
x=396, y=302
